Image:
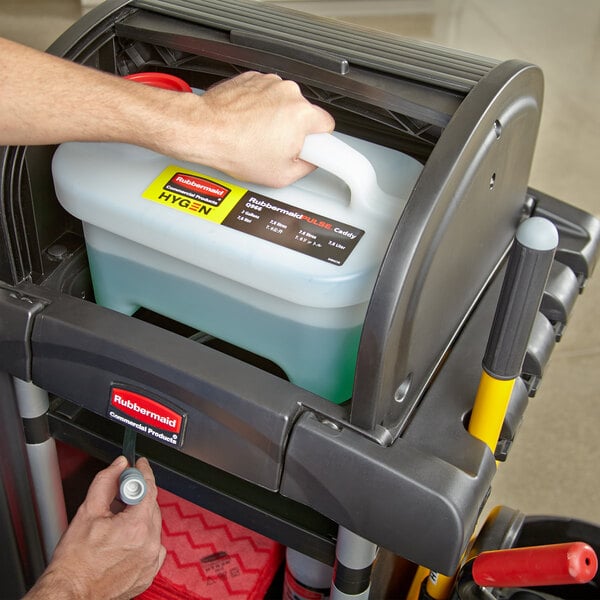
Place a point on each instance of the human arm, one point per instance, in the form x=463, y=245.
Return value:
x=251, y=127
x=106, y=556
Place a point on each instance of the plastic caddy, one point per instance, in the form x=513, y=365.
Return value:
x=400, y=468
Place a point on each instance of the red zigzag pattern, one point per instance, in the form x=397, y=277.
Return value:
x=195, y=565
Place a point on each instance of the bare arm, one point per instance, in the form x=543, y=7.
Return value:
x=106, y=556
x=252, y=126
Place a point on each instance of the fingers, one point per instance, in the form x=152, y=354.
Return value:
x=162, y=554
x=144, y=466
x=254, y=78
x=151, y=490
x=253, y=127
x=252, y=81
x=118, y=553
x=315, y=119
x=148, y=509
x=291, y=118
x=324, y=122
x=104, y=488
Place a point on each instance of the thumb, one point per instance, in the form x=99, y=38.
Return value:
x=105, y=487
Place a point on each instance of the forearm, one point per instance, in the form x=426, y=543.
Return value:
x=252, y=126
x=45, y=100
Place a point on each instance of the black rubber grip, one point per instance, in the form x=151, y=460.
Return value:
x=526, y=274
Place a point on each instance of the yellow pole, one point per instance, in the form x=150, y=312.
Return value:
x=489, y=409
x=415, y=588
x=439, y=587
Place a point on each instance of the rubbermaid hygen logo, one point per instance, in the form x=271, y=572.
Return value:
x=146, y=411
x=197, y=188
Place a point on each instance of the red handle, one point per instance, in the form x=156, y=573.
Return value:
x=553, y=564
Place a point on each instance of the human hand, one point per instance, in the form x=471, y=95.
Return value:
x=252, y=127
x=104, y=555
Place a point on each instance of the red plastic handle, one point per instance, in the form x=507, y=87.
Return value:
x=552, y=564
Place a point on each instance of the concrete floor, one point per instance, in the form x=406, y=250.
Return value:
x=554, y=464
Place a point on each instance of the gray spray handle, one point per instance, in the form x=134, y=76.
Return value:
x=526, y=274
x=132, y=486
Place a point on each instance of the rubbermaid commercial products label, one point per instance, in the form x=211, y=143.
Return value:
x=254, y=214
x=151, y=417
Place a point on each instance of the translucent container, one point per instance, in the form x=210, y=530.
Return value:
x=284, y=273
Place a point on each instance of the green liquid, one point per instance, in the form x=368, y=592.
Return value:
x=319, y=359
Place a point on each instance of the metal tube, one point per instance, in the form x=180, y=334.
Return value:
x=46, y=481
x=354, y=557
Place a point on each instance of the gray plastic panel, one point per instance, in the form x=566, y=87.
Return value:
x=562, y=289
x=417, y=505
x=540, y=347
x=419, y=497
x=578, y=231
x=16, y=321
x=22, y=553
x=458, y=223
x=82, y=38
x=238, y=417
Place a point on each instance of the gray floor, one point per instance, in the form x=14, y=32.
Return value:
x=553, y=466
